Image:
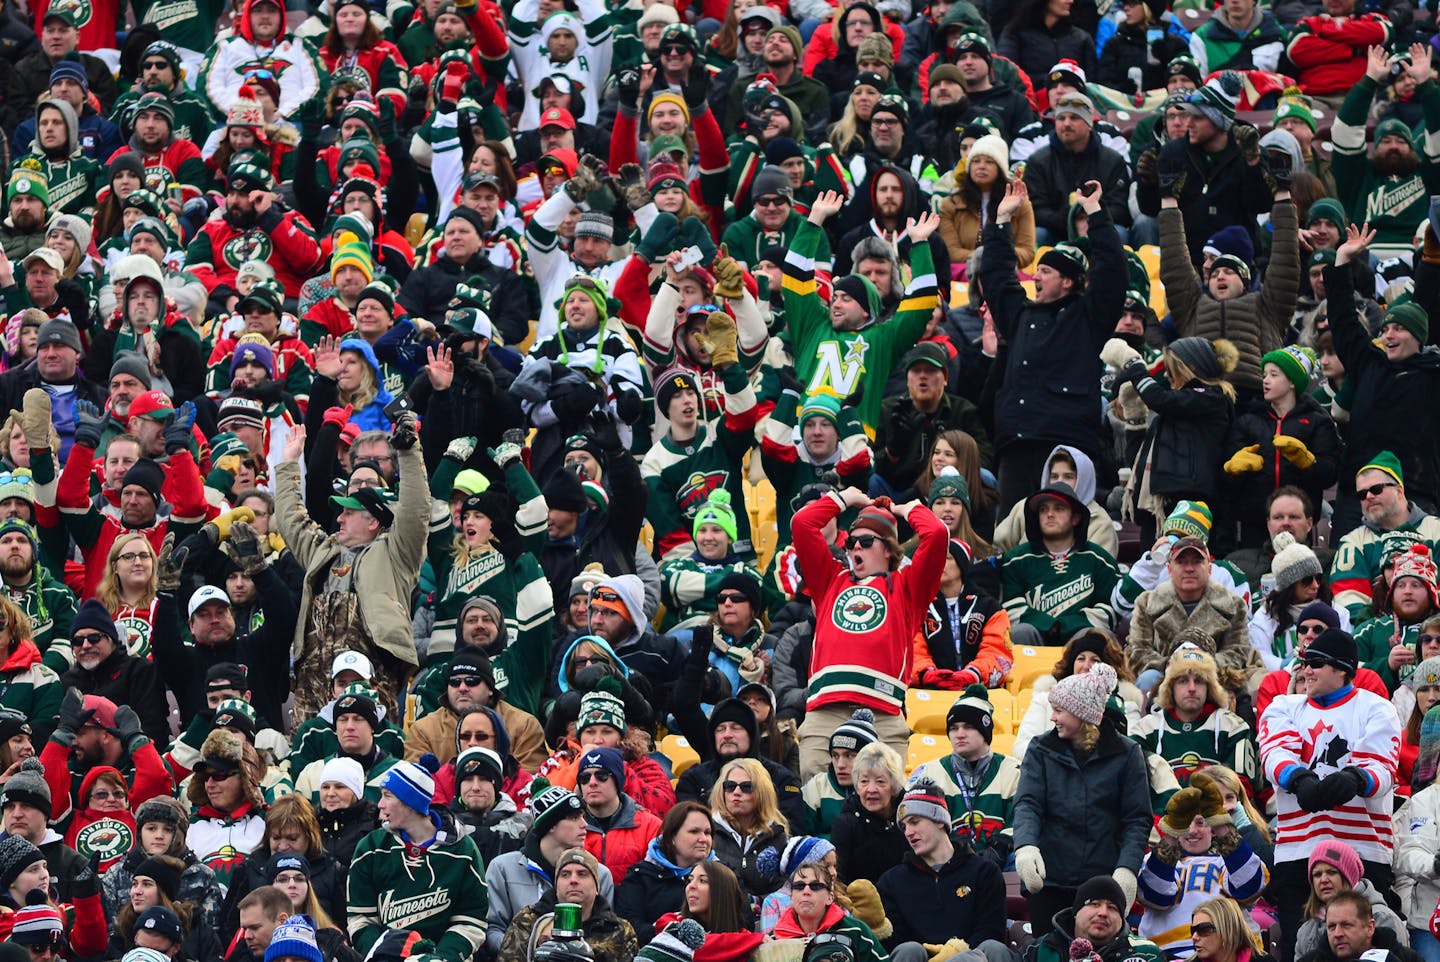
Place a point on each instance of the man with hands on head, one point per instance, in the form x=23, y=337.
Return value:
x=1050, y=393
x=92, y=731
x=868, y=611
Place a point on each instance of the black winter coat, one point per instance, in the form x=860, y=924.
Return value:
x=327, y=881
x=1258, y=424
x=923, y=904
x=866, y=845
x=1050, y=390
x=1218, y=192
x=1130, y=48
x=1184, y=445
x=427, y=291
x=1394, y=404
x=1035, y=49
x=755, y=860
x=1054, y=172
x=608, y=537
x=649, y=890
x=342, y=830
x=127, y=680
x=16, y=381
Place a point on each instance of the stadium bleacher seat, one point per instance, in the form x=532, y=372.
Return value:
x=925, y=748
x=682, y=756
x=925, y=710
x=1030, y=663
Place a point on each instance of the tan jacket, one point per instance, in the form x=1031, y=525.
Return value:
x=386, y=570
x=435, y=733
x=960, y=228
x=1160, y=616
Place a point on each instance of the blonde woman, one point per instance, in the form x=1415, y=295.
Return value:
x=750, y=832
x=26, y=685
x=851, y=132
x=1220, y=932
x=358, y=381
x=128, y=590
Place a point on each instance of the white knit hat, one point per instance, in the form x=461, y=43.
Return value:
x=347, y=772
x=1293, y=561
x=1084, y=696
x=994, y=147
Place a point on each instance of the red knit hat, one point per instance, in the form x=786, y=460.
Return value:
x=877, y=518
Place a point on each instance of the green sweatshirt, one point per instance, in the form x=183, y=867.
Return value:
x=1059, y=596
x=985, y=813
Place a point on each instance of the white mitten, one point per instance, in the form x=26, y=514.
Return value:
x=1117, y=353
x=1126, y=880
x=1031, y=866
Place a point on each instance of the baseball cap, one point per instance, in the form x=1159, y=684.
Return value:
x=1190, y=543
x=206, y=595
x=152, y=404
x=557, y=117
x=49, y=256
x=352, y=661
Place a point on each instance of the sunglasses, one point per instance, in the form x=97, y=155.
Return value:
x=1309, y=580
x=731, y=598
x=1428, y=639
x=214, y=776
x=1320, y=661
x=812, y=886
x=155, y=64
x=674, y=50
x=1310, y=629
x=105, y=796
x=771, y=202
x=604, y=594
x=704, y=309
x=864, y=541
x=1375, y=490
x=1202, y=928
x=469, y=681
x=11, y=478
x=747, y=788
x=584, y=660
x=595, y=775
x=88, y=638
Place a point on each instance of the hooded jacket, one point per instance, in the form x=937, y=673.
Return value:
x=914, y=204
x=28, y=686
x=1058, y=595
x=73, y=178
x=1011, y=531
x=222, y=73
x=106, y=835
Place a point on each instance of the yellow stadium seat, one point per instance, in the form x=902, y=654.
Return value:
x=1150, y=257
x=925, y=748
x=925, y=710
x=760, y=505
x=1004, y=703
x=959, y=294
x=1158, y=303
x=682, y=756
x=1030, y=663
x=1035, y=261
x=1003, y=743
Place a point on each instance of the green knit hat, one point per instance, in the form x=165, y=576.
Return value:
x=1330, y=209
x=361, y=148
x=1295, y=106
x=1386, y=463
x=17, y=484
x=1324, y=256
x=1410, y=316
x=822, y=405
x=950, y=483
x=1139, y=275
x=603, y=706
x=357, y=224
x=1296, y=363
x=1393, y=126
x=1190, y=519
x=26, y=180
x=593, y=289
x=716, y=510
x=18, y=524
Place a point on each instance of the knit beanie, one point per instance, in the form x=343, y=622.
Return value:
x=826, y=406
x=413, y=783
x=128, y=362
x=1329, y=209
x=25, y=181
x=771, y=180
x=1319, y=611
x=994, y=147
x=606, y=759
x=593, y=289
x=793, y=36
x=594, y=223
x=1296, y=363
x=29, y=787
x=1294, y=105
x=1426, y=674
x=161, y=921
x=552, y=804
x=973, y=708
x=716, y=510
x=359, y=699
x=801, y=849
x=350, y=251
x=855, y=733
x=146, y=474
x=863, y=290
x=285, y=862
x=923, y=798
x=481, y=761
x=1068, y=259
x=294, y=939
x=1342, y=857
x=875, y=519
x=347, y=772
x=1423, y=774
x=1293, y=561
x=1198, y=354
x=165, y=876
x=602, y=706
x=668, y=97
x=166, y=811
x=670, y=385
x=1100, y=887
x=1410, y=316
x=676, y=942
x=1338, y=646
x=1385, y=462
x=93, y=615
x=1217, y=100
x=950, y=483
x=16, y=855
x=38, y=924
x=578, y=856
x=563, y=492
x=1417, y=563
x=1190, y=519
x=13, y=487
x=745, y=584
x=1234, y=263
x=1084, y=695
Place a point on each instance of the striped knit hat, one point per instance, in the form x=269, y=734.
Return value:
x=413, y=782
x=1296, y=362
x=41, y=924
x=677, y=942
x=856, y=733
x=1190, y=519
x=1217, y=100
x=603, y=706
x=973, y=708
x=350, y=251
x=876, y=519
x=923, y=799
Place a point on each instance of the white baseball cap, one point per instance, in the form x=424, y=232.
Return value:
x=352, y=661
x=206, y=595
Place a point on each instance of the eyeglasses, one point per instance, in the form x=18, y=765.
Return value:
x=88, y=638
x=100, y=795
x=1311, y=629
x=1375, y=490
x=812, y=886
x=468, y=681
x=214, y=776
x=130, y=557
x=1202, y=928
x=770, y=202
x=746, y=788
x=595, y=775
x=885, y=121
x=864, y=541
x=731, y=598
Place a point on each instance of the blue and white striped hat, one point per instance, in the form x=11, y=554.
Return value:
x=413, y=782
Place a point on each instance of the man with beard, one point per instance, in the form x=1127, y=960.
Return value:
x=890, y=146
x=71, y=178
x=103, y=667
x=471, y=684
x=98, y=137
x=1097, y=916
x=1361, y=555
x=130, y=377
x=148, y=325
x=256, y=225
x=1074, y=155
x=168, y=158
x=28, y=198
x=912, y=421
x=44, y=598
x=894, y=199
x=1390, y=190
x=56, y=371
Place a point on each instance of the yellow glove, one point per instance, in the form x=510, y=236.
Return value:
x=729, y=276
x=938, y=953
x=230, y=463
x=1246, y=459
x=1294, y=451
x=865, y=901
x=222, y=524
x=723, y=339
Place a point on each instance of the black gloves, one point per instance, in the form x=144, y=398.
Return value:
x=177, y=432
x=73, y=717
x=579, y=401
x=627, y=87
x=86, y=883
x=696, y=88
x=1337, y=788
x=1306, y=787
x=127, y=725
x=89, y=424
x=905, y=420
x=406, y=431
x=1277, y=170
x=628, y=405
